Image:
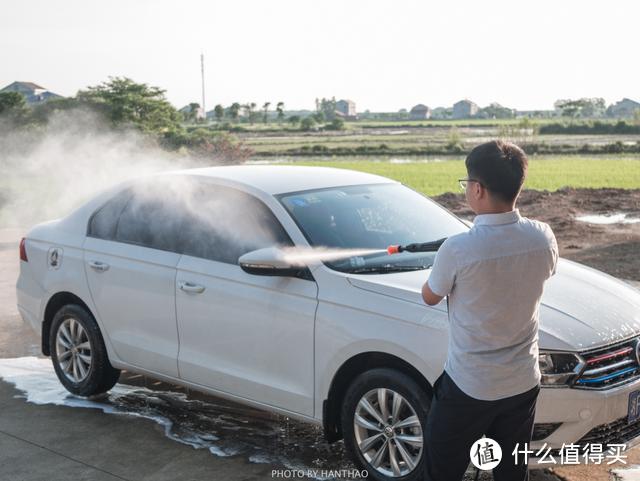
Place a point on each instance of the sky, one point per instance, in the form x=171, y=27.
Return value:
x=384, y=55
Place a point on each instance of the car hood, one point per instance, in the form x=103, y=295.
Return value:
x=581, y=307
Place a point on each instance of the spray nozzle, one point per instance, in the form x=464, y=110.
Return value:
x=425, y=247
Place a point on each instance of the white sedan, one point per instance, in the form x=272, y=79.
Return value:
x=192, y=277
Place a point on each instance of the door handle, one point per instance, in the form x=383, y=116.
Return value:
x=189, y=287
x=99, y=266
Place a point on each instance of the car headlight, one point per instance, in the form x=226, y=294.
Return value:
x=559, y=368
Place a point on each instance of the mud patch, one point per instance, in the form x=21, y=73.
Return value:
x=612, y=248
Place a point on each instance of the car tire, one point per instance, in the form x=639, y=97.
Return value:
x=413, y=401
x=78, y=353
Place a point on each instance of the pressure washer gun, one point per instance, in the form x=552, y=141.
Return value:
x=425, y=247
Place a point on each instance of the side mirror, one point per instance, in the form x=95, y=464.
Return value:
x=270, y=261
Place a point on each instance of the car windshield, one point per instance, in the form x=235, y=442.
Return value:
x=371, y=217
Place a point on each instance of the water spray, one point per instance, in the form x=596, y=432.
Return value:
x=432, y=246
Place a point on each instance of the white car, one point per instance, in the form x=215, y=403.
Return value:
x=189, y=277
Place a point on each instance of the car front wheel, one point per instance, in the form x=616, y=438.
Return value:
x=383, y=418
x=78, y=353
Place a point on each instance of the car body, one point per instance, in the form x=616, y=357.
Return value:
x=293, y=343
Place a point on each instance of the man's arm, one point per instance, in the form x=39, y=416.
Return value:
x=429, y=296
x=442, y=277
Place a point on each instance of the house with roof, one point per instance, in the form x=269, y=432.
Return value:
x=346, y=109
x=419, y=112
x=34, y=94
x=624, y=108
x=464, y=109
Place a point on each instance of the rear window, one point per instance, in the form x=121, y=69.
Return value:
x=189, y=216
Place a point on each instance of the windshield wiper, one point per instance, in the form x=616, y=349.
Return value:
x=387, y=269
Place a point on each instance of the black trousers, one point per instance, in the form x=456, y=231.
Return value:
x=456, y=421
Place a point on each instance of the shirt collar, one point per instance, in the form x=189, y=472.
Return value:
x=497, y=219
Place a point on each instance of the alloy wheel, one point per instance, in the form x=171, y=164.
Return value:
x=73, y=350
x=388, y=432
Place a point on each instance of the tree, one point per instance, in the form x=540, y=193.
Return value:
x=234, y=111
x=326, y=108
x=335, y=124
x=584, y=107
x=265, y=110
x=496, y=111
x=12, y=102
x=249, y=110
x=218, y=111
x=307, y=123
x=191, y=115
x=294, y=120
x=280, y=110
x=124, y=101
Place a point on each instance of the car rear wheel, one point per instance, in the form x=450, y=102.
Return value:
x=78, y=353
x=383, y=417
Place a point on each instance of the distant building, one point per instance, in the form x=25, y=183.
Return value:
x=420, y=112
x=624, y=108
x=464, y=109
x=346, y=109
x=33, y=93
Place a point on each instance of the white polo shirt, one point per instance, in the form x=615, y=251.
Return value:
x=494, y=275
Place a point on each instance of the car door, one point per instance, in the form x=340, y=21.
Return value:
x=246, y=335
x=130, y=263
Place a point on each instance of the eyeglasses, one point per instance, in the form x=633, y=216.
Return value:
x=463, y=183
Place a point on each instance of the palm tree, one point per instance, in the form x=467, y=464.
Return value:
x=280, y=110
x=265, y=109
x=234, y=111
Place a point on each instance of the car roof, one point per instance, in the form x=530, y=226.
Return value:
x=279, y=179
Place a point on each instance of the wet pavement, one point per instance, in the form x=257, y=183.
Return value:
x=143, y=429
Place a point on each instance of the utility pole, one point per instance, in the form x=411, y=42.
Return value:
x=204, y=109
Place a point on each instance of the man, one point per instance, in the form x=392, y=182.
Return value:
x=494, y=276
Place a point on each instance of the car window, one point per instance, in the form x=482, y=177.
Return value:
x=371, y=217
x=189, y=216
x=223, y=223
x=151, y=218
x=104, y=221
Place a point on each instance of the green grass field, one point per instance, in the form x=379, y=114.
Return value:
x=545, y=172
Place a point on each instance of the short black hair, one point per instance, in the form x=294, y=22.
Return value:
x=500, y=166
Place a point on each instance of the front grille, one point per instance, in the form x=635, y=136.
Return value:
x=610, y=366
x=616, y=432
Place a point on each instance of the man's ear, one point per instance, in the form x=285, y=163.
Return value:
x=479, y=191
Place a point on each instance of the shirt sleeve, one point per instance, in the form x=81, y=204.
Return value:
x=443, y=272
x=554, y=251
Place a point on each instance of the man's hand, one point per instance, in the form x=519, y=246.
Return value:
x=429, y=296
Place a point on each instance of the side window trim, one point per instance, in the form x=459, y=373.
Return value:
x=126, y=191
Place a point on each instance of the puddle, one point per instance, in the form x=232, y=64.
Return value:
x=619, y=218
x=223, y=428
x=203, y=422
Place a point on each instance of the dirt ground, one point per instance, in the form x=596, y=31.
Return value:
x=611, y=248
